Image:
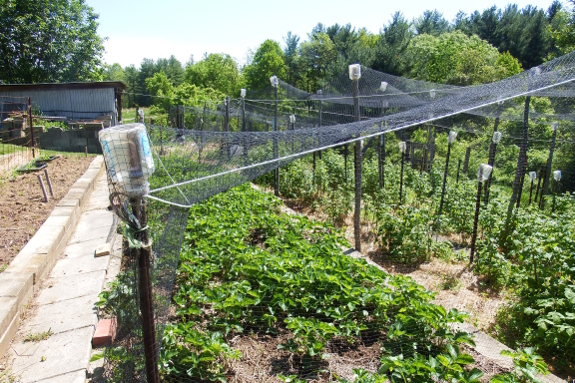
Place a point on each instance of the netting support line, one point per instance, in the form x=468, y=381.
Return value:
x=475, y=221
x=545, y=189
x=146, y=303
x=357, y=156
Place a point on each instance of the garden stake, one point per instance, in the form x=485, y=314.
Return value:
x=466, y=160
x=275, y=83
x=49, y=182
x=355, y=75
x=145, y=286
x=458, y=167
x=42, y=187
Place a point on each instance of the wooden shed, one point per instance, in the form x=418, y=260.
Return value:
x=75, y=100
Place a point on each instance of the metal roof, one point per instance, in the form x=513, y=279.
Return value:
x=63, y=86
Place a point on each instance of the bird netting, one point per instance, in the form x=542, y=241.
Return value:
x=218, y=147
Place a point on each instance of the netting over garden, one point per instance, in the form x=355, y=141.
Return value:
x=254, y=276
x=225, y=156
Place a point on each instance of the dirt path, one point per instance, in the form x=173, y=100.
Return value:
x=22, y=209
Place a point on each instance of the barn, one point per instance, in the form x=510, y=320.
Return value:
x=74, y=101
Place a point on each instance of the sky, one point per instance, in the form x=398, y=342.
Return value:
x=158, y=29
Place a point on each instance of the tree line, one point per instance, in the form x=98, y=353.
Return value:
x=476, y=48
x=57, y=41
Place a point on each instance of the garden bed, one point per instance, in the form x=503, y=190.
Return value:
x=22, y=206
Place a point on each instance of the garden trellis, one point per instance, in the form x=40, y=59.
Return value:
x=218, y=147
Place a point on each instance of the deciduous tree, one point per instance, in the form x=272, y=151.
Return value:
x=49, y=41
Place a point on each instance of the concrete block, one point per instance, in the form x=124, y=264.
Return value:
x=73, y=286
x=70, y=201
x=63, y=316
x=46, y=142
x=30, y=263
x=62, y=142
x=94, y=149
x=70, y=134
x=52, y=231
x=83, y=183
x=63, y=353
x=80, y=142
x=17, y=286
x=78, y=265
x=103, y=250
x=7, y=336
x=97, y=162
x=87, y=134
x=51, y=133
x=8, y=310
x=64, y=211
x=105, y=332
x=79, y=194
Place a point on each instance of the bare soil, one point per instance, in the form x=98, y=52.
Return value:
x=262, y=361
x=22, y=206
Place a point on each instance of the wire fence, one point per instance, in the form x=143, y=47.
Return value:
x=16, y=147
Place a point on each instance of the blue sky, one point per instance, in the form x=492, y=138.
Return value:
x=156, y=29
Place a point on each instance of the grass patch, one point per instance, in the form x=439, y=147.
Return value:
x=39, y=336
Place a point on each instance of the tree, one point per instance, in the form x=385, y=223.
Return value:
x=522, y=32
x=455, y=58
x=172, y=68
x=391, y=45
x=132, y=79
x=49, y=41
x=161, y=87
x=267, y=61
x=316, y=56
x=217, y=71
x=431, y=23
x=113, y=72
x=291, y=58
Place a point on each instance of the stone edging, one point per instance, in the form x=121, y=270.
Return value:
x=22, y=277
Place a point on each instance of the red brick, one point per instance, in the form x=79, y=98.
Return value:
x=105, y=332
